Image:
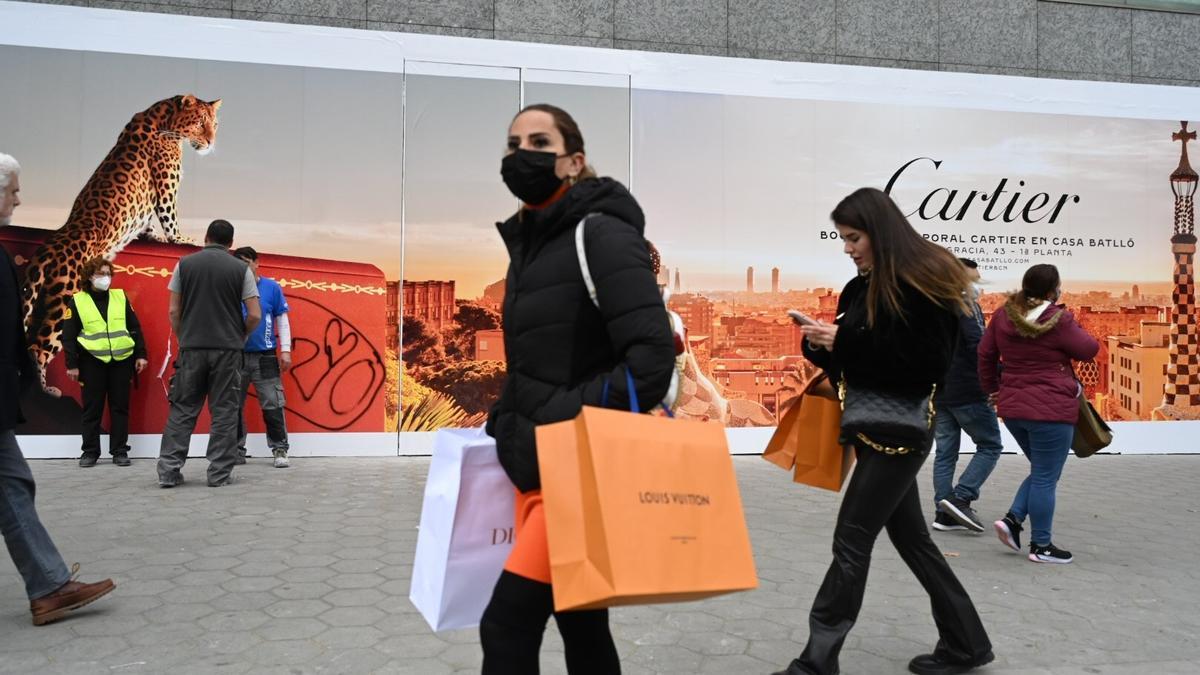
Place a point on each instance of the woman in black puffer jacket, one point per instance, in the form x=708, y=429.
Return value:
x=561, y=349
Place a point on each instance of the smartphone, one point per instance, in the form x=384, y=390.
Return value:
x=801, y=319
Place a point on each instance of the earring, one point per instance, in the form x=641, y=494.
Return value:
x=572, y=180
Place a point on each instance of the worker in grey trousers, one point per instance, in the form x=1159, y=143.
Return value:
x=208, y=289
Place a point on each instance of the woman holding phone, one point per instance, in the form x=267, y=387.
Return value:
x=895, y=332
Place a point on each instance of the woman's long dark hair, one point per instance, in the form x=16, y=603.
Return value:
x=1039, y=284
x=901, y=255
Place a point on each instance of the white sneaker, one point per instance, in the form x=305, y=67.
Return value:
x=281, y=461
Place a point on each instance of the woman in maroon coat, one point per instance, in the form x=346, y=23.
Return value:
x=1038, y=396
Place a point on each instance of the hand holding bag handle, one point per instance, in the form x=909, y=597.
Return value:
x=632, y=388
x=586, y=272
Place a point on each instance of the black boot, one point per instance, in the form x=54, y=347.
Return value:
x=87, y=459
x=121, y=457
x=934, y=664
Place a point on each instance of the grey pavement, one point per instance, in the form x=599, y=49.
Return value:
x=306, y=570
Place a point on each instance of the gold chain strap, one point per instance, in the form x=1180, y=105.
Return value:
x=887, y=450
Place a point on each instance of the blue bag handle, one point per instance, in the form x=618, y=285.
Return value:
x=633, y=402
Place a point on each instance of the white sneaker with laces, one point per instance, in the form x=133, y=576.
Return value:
x=281, y=460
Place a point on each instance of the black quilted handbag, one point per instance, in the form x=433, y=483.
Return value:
x=868, y=414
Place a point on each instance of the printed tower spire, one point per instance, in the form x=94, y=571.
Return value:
x=1181, y=395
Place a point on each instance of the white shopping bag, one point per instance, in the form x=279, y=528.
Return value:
x=466, y=530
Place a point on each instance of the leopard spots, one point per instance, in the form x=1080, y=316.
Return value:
x=139, y=178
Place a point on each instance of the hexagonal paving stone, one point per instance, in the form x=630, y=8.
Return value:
x=173, y=558
x=463, y=656
x=358, y=553
x=361, y=660
x=302, y=591
x=189, y=594
x=291, y=609
x=109, y=626
x=417, y=667
x=178, y=611
x=176, y=558
x=310, y=560
x=203, y=564
x=303, y=575
x=350, y=637
x=352, y=616
x=28, y=661
x=205, y=578
x=260, y=569
x=366, y=566
x=351, y=581
x=157, y=572
x=235, y=621
x=695, y=621
x=89, y=648
x=290, y=629
x=251, y=584
x=412, y=646
x=284, y=652
x=353, y=598
x=229, y=643
x=146, y=587
x=666, y=659
x=243, y=600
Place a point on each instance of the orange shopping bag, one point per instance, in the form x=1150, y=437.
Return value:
x=821, y=460
x=641, y=510
x=781, y=449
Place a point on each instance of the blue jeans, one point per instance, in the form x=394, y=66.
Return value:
x=979, y=421
x=1047, y=445
x=28, y=542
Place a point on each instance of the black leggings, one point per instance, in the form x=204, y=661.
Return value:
x=883, y=494
x=515, y=620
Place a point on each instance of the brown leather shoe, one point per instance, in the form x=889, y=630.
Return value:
x=71, y=596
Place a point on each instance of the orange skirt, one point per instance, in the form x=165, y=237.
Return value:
x=530, y=556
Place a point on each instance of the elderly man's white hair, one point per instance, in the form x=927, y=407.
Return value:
x=8, y=168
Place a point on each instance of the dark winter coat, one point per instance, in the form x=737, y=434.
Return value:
x=16, y=367
x=905, y=355
x=962, y=380
x=560, y=348
x=1037, y=382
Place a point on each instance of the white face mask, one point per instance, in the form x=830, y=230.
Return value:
x=101, y=283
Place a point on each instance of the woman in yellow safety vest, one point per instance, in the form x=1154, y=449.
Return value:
x=104, y=346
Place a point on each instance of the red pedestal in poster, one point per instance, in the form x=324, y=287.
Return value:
x=338, y=318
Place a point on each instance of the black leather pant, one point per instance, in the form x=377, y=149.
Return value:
x=883, y=494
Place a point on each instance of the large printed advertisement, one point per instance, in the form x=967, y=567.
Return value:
x=372, y=197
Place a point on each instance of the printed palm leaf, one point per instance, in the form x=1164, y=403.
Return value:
x=437, y=411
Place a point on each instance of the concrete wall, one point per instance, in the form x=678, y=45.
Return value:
x=1011, y=37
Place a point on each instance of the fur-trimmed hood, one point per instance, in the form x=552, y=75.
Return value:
x=1017, y=312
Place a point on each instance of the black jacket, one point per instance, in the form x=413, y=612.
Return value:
x=74, y=325
x=962, y=381
x=16, y=367
x=560, y=347
x=901, y=356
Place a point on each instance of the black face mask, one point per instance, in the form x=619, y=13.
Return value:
x=530, y=176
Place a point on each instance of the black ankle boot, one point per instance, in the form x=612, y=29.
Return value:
x=934, y=664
